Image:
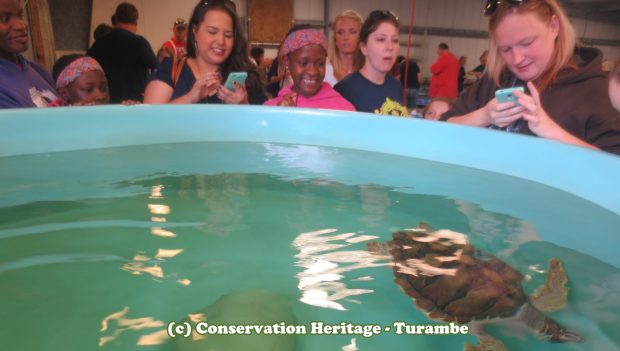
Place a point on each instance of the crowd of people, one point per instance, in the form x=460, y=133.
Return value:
x=566, y=97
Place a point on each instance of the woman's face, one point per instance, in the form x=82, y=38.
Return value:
x=13, y=29
x=347, y=34
x=89, y=87
x=214, y=37
x=307, y=67
x=381, y=48
x=436, y=109
x=526, y=44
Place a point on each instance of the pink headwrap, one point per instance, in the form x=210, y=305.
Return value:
x=76, y=69
x=303, y=37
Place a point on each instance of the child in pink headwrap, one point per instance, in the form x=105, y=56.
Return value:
x=305, y=54
x=80, y=80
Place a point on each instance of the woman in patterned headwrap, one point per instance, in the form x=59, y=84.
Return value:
x=304, y=53
x=80, y=80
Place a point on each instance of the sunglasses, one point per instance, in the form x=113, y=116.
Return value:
x=380, y=14
x=492, y=5
x=228, y=3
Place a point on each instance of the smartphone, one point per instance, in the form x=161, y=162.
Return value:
x=238, y=77
x=507, y=95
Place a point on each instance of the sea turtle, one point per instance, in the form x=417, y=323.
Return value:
x=452, y=281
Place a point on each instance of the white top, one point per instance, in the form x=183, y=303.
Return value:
x=329, y=74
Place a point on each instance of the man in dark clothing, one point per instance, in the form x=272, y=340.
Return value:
x=126, y=58
x=413, y=82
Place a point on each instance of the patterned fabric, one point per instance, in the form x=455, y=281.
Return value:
x=76, y=69
x=303, y=37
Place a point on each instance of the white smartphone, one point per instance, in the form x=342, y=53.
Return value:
x=238, y=77
x=506, y=95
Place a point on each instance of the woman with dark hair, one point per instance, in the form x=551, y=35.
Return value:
x=372, y=88
x=215, y=48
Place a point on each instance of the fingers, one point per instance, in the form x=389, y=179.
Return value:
x=289, y=100
x=238, y=96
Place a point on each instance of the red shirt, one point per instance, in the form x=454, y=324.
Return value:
x=176, y=46
x=444, y=82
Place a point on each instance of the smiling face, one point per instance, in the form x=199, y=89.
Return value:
x=13, y=29
x=307, y=68
x=526, y=44
x=381, y=48
x=89, y=87
x=214, y=37
x=347, y=34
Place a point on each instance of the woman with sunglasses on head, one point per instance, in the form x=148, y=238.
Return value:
x=343, y=46
x=532, y=44
x=215, y=48
x=372, y=88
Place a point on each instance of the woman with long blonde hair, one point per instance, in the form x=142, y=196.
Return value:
x=532, y=44
x=343, y=43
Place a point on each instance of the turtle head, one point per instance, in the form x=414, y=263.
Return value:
x=382, y=249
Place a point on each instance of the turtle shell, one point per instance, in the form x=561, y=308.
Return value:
x=451, y=280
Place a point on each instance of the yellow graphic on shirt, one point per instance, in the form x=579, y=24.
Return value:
x=392, y=108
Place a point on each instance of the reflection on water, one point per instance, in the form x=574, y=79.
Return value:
x=320, y=282
x=122, y=324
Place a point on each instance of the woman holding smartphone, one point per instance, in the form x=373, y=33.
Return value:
x=215, y=49
x=532, y=44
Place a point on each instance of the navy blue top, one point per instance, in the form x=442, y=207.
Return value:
x=367, y=96
x=186, y=81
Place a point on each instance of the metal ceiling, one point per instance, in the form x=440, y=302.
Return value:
x=607, y=11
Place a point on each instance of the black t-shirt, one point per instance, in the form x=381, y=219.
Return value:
x=127, y=60
x=412, y=80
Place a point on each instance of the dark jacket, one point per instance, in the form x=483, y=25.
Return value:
x=127, y=60
x=577, y=101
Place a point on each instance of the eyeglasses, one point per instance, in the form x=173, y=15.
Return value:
x=492, y=5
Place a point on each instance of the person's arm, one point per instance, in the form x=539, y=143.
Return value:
x=541, y=124
x=438, y=66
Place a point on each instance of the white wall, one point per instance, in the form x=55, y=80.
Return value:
x=157, y=17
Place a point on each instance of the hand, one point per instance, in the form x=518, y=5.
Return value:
x=237, y=96
x=206, y=85
x=537, y=119
x=130, y=102
x=502, y=114
x=289, y=100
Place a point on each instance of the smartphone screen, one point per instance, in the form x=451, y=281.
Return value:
x=507, y=95
x=238, y=77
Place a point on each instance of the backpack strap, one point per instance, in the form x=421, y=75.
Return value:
x=177, y=68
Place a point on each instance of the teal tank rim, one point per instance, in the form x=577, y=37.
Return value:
x=589, y=174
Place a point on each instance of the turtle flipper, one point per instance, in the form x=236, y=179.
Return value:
x=485, y=341
x=554, y=294
x=547, y=327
